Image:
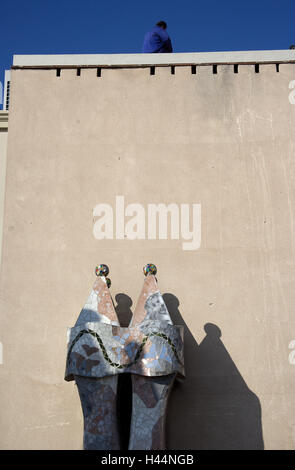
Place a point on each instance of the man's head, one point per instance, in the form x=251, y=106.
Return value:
x=162, y=24
x=292, y=46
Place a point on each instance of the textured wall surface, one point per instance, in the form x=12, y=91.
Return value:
x=3, y=152
x=225, y=141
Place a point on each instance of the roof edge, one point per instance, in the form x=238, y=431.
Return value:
x=145, y=60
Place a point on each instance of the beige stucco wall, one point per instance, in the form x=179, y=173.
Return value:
x=223, y=140
x=3, y=151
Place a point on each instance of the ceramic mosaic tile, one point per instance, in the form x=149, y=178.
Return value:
x=99, y=349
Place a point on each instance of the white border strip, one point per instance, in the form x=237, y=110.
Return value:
x=119, y=60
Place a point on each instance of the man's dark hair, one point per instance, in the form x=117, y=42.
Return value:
x=292, y=46
x=162, y=24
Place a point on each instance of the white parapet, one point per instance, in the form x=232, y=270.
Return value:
x=141, y=60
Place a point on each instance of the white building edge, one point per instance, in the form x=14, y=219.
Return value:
x=146, y=60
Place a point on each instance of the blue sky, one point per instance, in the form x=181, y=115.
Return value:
x=116, y=26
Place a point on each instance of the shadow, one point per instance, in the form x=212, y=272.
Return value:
x=123, y=309
x=213, y=408
x=124, y=391
x=124, y=408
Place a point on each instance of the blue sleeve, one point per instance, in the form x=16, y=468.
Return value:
x=169, y=45
x=156, y=41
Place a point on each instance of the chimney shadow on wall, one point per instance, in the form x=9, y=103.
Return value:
x=123, y=309
x=124, y=401
x=213, y=408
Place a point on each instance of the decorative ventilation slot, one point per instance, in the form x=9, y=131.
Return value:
x=277, y=67
x=152, y=70
x=173, y=70
x=236, y=68
x=194, y=69
x=7, y=95
x=78, y=72
x=98, y=72
x=214, y=68
x=58, y=72
x=256, y=68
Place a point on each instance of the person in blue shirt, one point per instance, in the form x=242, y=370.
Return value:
x=157, y=40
